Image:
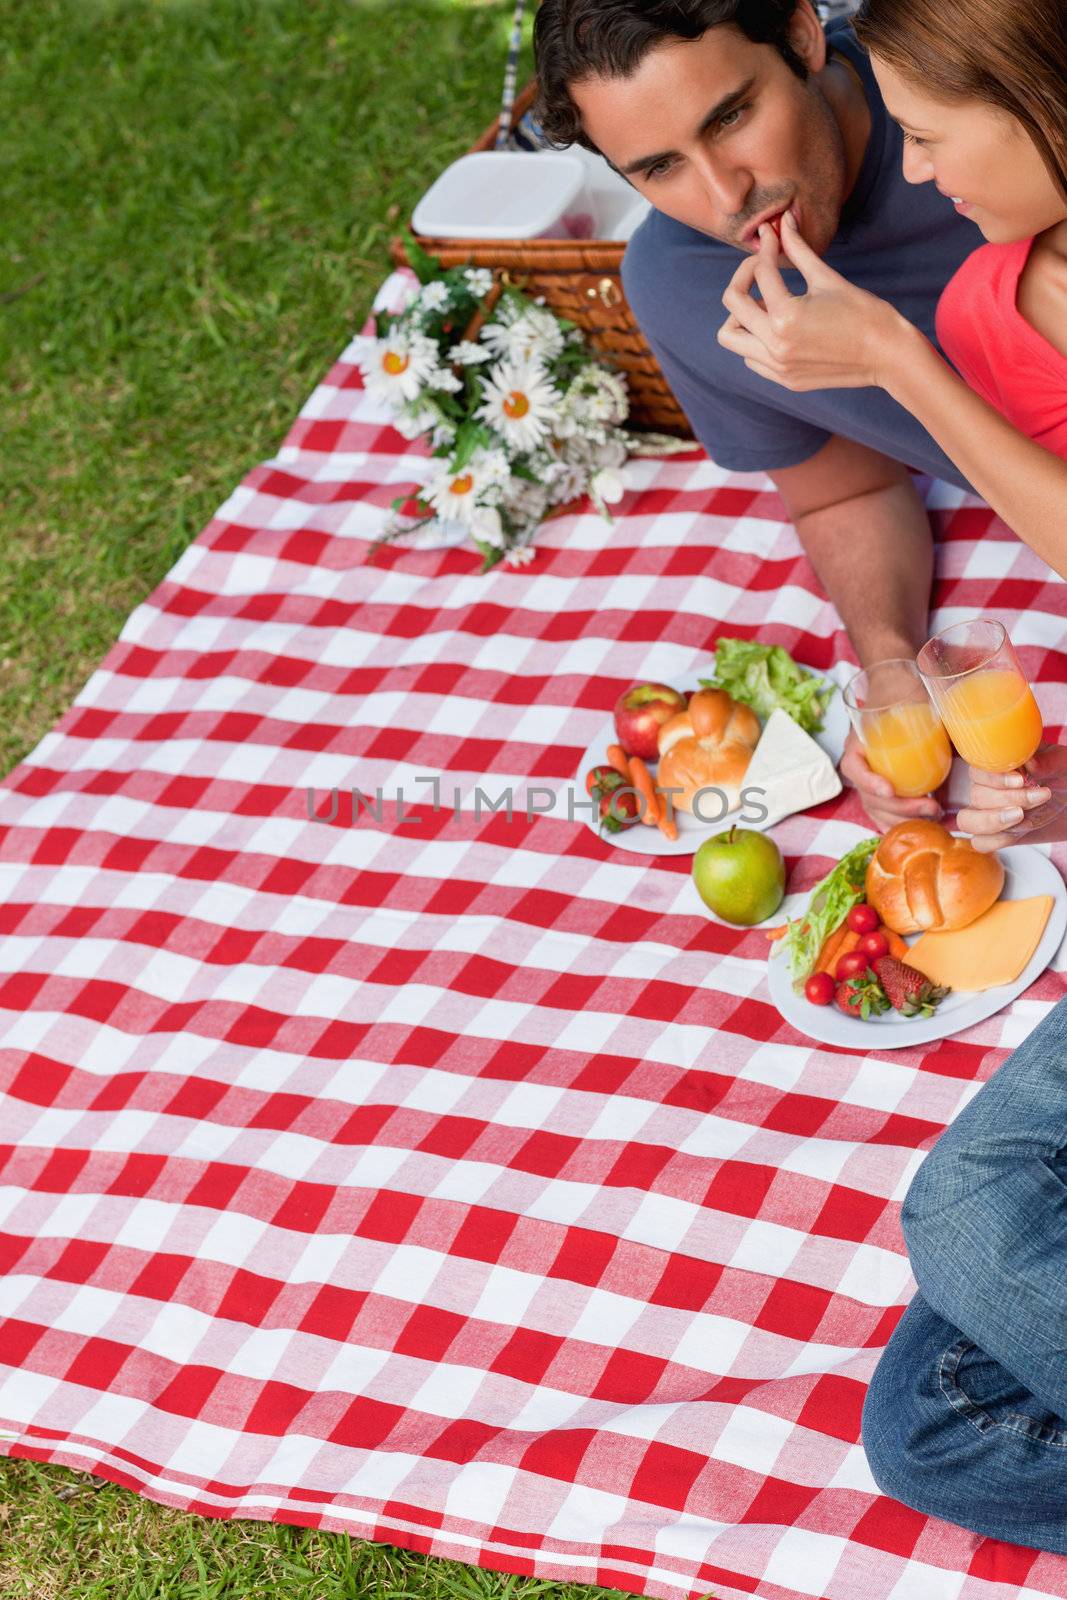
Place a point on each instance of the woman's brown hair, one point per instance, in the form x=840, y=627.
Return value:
x=1011, y=54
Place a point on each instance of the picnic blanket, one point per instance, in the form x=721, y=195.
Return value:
x=439, y=1176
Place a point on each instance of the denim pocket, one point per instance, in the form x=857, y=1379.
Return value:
x=984, y=1392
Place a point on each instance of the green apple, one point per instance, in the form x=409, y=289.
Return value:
x=740, y=875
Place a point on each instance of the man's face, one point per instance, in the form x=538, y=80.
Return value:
x=721, y=134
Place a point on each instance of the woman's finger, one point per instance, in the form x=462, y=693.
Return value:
x=989, y=797
x=811, y=267
x=983, y=824
x=995, y=780
x=738, y=299
x=733, y=336
x=772, y=286
x=751, y=314
x=985, y=844
x=743, y=279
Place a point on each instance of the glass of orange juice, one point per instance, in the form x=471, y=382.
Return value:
x=900, y=731
x=981, y=694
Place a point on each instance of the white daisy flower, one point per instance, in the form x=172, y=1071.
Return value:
x=494, y=464
x=468, y=354
x=395, y=369
x=454, y=495
x=496, y=334
x=444, y=381
x=479, y=281
x=434, y=296
x=520, y=403
x=415, y=420
x=534, y=335
x=598, y=395
x=521, y=556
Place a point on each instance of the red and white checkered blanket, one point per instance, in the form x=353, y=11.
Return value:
x=452, y=1181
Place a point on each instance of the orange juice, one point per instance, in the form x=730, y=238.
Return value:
x=908, y=745
x=993, y=718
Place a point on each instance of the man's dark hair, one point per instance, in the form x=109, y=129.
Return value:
x=576, y=39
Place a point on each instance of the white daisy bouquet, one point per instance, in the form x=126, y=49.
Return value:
x=519, y=415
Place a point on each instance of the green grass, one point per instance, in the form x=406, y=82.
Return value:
x=197, y=199
x=64, y=1536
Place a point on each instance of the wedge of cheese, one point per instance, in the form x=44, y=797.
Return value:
x=788, y=772
x=991, y=950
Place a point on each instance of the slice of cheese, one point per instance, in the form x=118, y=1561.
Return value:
x=788, y=772
x=991, y=950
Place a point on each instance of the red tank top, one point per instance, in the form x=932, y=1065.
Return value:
x=998, y=353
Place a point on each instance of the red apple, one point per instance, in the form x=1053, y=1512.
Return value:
x=639, y=715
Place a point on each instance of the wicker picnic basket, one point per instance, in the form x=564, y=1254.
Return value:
x=581, y=280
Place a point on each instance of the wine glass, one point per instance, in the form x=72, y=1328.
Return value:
x=981, y=694
x=901, y=733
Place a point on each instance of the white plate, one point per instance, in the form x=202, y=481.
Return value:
x=1026, y=873
x=642, y=840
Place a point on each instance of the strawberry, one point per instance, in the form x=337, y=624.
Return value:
x=861, y=996
x=910, y=993
x=618, y=802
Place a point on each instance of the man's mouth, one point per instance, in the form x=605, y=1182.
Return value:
x=750, y=237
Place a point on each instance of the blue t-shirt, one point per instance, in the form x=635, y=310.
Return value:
x=899, y=240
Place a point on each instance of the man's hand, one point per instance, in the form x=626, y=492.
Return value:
x=1019, y=807
x=882, y=805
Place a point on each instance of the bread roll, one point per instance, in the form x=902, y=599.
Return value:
x=921, y=877
x=709, y=745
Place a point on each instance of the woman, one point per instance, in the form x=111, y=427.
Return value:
x=980, y=89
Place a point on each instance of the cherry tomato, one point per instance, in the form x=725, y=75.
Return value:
x=850, y=966
x=820, y=989
x=863, y=918
x=874, y=945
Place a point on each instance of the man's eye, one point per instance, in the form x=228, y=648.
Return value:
x=729, y=119
x=660, y=169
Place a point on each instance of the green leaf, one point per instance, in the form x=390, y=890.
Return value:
x=831, y=901
x=765, y=677
x=425, y=267
x=470, y=436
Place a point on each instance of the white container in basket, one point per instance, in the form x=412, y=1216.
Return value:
x=505, y=194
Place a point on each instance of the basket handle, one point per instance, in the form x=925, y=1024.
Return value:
x=511, y=73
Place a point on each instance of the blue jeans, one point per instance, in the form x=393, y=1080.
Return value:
x=966, y=1415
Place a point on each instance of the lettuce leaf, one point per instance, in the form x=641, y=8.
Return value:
x=831, y=901
x=765, y=676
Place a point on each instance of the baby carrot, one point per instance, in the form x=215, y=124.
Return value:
x=847, y=945
x=668, y=826
x=896, y=944
x=618, y=759
x=827, y=958
x=641, y=779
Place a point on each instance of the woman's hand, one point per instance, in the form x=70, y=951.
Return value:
x=833, y=337
x=1019, y=807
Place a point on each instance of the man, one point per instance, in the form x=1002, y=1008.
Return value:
x=724, y=114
